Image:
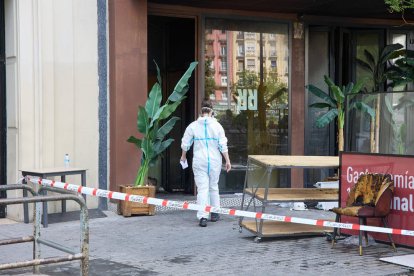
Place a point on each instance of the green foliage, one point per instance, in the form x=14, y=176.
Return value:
x=276, y=91
x=209, y=82
x=399, y=5
x=150, y=119
x=392, y=67
x=379, y=67
x=336, y=102
x=403, y=70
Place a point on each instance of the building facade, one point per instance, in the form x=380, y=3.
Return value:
x=255, y=61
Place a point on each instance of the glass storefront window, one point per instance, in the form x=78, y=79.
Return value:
x=398, y=127
x=249, y=92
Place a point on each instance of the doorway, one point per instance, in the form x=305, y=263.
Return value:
x=3, y=124
x=171, y=43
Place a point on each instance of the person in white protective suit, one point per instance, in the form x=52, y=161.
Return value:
x=210, y=143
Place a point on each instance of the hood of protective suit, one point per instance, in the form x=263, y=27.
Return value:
x=206, y=120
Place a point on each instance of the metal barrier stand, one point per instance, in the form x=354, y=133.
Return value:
x=83, y=256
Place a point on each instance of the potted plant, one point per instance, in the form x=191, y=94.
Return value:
x=154, y=122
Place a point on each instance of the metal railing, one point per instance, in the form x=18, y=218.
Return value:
x=83, y=255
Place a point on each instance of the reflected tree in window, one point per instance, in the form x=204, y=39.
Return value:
x=209, y=83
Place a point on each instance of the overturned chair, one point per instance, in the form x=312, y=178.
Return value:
x=371, y=197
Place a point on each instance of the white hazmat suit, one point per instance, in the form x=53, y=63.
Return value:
x=209, y=141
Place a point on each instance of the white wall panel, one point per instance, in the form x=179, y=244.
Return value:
x=52, y=87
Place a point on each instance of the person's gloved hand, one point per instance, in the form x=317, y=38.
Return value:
x=228, y=166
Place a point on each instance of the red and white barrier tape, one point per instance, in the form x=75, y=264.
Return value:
x=211, y=209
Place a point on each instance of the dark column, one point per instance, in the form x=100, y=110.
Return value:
x=128, y=84
x=297, y=103
x=3, y=122
x=103, y=101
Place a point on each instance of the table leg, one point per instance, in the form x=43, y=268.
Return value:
x=25, y=208
x=45, y=220
x=25, y=205
x=83, y=182
x=63, y=179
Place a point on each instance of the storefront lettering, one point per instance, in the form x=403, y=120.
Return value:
x=352, y=176
x=247, y=99
x=403, y=203
x=404, y=181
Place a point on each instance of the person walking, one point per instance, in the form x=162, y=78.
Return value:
x=210, y=143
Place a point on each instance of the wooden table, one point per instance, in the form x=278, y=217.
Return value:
x=268, y=195
x=296, y=161
x=50, y=172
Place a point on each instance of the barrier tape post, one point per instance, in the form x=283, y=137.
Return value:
x=211, y=209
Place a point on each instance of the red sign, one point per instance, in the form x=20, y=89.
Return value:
x=401, y=169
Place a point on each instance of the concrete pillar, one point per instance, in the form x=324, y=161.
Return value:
x=297, y=103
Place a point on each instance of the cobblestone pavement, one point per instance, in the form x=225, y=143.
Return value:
x=172, y=243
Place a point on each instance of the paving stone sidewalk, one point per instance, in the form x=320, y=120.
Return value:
x=172, y=243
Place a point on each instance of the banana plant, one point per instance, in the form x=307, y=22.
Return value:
x=336, y=104
x=154, y=122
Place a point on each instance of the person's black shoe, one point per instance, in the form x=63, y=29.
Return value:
x=203, y=222
x=214, y=217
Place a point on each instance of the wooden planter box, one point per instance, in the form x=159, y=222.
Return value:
x=127, y=208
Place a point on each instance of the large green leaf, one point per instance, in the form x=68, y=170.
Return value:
x=159, y=147
x=338, y=94
x=166, y=128
x=388, y=51
x=363, y=107
x=348, y=88
x=397, y=54
x=135, y=141
x=328, y=81
x=169, y=109
x=370, y=59
x=320, y=94
x=182, y=85
x=358, y=86
x=321, y=105
x=326, y=118
x=142, y=120
x=154, y=100
x=164, y=112
x=365, y=65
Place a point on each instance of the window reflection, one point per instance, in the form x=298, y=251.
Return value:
x=250, y=90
